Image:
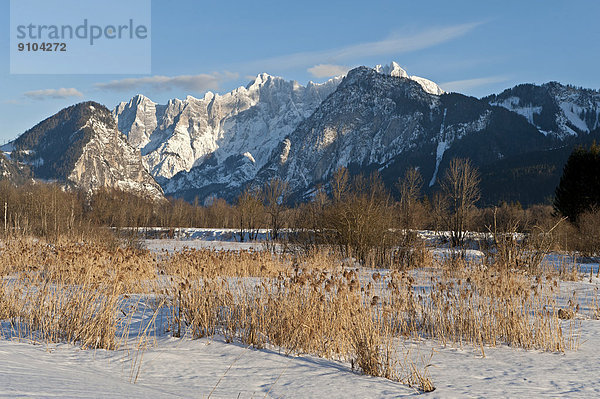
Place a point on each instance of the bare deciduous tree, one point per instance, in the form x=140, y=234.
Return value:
x=339, y=184
x=275, y=193
x=250, y=212
x=460, y=185
x=410, y=193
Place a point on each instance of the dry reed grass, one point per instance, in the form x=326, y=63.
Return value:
x=43, y=312
x=487, y=307
x=314, y=311
x=313, y=304
x=70, y=262
x=69, y=291
x=195, y=263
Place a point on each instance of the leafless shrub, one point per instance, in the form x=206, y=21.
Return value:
x=357, y=219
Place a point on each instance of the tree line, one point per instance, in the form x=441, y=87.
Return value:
x=357, y=214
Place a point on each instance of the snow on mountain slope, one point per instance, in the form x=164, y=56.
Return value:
x=513, y=104
x=377, y=146
x=107, y=160
x=429, y=86
x=11, y=170
x=393, y=69
x=557, y=110
x=376, y=119
x=226, y=138
x=372, y=119
x=81, y=147
x=386, y=122
x=246, y=122
x=442, y=146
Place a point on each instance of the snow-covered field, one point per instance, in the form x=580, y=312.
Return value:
x=182, y=367
x=176, y=245
x=195, y=368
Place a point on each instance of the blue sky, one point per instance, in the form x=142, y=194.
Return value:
x=474, y=47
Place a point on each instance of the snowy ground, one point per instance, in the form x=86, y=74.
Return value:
x=176, y=245
x=194, y=368
x=182, y=368
x=174, y=367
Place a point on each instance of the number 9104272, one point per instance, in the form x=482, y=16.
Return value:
x=44, y=46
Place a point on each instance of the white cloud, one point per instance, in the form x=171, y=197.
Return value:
x=327, y=70
x=467, y=84
x=392, y=46
x=198, y=83
x=53, y=93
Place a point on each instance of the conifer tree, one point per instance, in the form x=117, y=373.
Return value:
x=579, y=187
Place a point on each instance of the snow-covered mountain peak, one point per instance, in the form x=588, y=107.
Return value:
x=138, y=99
x=219, y=130
x=331, y=82
x=225, y=139
x=429, y=86
x=174, y=102
x=394, y=69
x=142, y=99
x=81, y=147
x=261, y=79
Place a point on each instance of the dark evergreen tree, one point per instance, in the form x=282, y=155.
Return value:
x=579, y=187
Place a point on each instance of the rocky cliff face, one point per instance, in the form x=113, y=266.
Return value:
x=267, y=111
x=373, y=119
x=216, y=132
x=377, y=119
x=386, y=122
x=13, y=171
x=81, y=147
x=225, y=139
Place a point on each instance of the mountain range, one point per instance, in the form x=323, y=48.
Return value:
x=372, y=119
x=81, y=147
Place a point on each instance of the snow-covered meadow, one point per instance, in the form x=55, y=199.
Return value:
x=150, y=362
